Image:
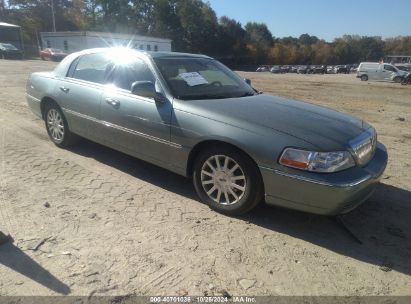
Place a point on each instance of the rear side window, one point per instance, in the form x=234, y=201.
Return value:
x=72, y=68
x=92, y=67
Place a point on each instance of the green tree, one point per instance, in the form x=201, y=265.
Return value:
x=198, y=26
x=307, y=39
x=260, y=40
x=231, y=45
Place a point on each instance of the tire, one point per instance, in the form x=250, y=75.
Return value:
x=364, y=77
x=397, y=79
x=2, y=56
x=42, y=58
x=237, y=200
x=57, y=127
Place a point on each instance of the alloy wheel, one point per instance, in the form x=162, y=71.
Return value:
x=55, y=125
x=223, y=180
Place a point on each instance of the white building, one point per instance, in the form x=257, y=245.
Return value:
x=71, y=42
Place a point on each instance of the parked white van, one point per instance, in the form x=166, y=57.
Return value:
x=379, y=71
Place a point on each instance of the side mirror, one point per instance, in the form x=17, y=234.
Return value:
x=146, y=89
x=248, y=81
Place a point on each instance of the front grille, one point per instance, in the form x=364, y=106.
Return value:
x=364, y=146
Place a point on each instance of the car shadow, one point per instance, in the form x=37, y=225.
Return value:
x=382, y=223
x=135, y=167
x=15, y=259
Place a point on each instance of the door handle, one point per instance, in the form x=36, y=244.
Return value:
x=64, y=89
x=113, y=102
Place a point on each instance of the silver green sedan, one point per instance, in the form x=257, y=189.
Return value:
x=192, y=115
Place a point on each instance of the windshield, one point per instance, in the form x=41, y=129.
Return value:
x=201, y=78
x=8, y=46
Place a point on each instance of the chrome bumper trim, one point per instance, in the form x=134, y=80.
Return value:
x=318, y=182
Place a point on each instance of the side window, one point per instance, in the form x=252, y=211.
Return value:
x=92, y=67
x=389, y=68
x=148, y=47
x=126, y=75
x=156, y=48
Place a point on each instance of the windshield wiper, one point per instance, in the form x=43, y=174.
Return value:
x=247, y=94
x=204, y=96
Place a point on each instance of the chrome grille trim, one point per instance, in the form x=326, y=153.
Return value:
x=363, y=146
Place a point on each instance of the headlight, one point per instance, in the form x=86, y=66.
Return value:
x=316, y=161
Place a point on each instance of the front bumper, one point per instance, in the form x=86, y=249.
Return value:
x=326, y=194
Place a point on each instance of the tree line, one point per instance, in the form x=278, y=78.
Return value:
x=193, y=26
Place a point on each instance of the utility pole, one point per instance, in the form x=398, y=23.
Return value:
x=52, y=15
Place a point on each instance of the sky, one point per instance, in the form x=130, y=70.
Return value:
x=326, y=19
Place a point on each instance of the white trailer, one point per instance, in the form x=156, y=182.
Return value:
x=11, y=33
x=71, y=42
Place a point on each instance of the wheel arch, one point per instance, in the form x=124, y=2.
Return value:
x=44, y=102
x=206, y=144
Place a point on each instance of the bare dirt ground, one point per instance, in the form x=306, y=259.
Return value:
x=93, y=221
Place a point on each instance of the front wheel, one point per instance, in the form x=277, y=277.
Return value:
x=364, y=78
x=57, y=127
x=227, y=180
x=397, y=79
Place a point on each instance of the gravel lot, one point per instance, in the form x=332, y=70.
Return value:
x=93, y=221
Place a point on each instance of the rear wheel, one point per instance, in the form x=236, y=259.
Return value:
x=227, y=180
x=57, y=127
x=364, y=77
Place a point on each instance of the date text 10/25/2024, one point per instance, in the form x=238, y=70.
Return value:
x=202, y=299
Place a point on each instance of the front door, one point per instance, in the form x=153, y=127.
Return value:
x=389, y=72
x=137, y=125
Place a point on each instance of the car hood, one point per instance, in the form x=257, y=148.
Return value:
x=324, y=128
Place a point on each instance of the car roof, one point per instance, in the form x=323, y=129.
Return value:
x=62, y=68
x=175, y=54
x=147, y=53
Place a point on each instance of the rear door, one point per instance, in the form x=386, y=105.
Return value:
x=80, y=94
x=135, y=124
